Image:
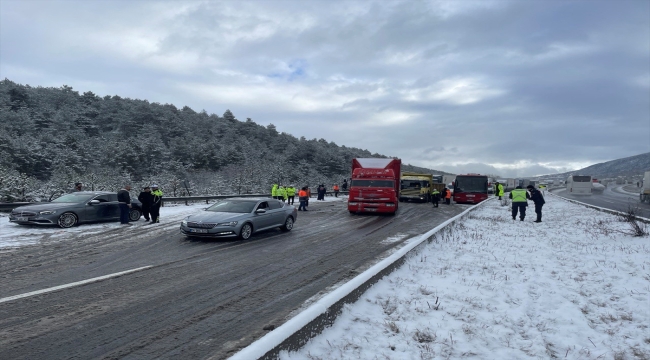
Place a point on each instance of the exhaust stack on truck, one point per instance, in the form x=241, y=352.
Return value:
x=375, y=185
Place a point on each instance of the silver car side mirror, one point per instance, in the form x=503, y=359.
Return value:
x=94, y=202
x=260, y=211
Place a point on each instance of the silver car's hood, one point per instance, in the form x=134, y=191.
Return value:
x=212, y=216
x=44, y=206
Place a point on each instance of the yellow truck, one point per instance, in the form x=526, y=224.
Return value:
x=414, y=186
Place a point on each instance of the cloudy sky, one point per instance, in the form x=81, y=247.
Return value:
x=514, y=88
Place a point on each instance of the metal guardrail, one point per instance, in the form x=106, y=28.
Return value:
x=6, y=207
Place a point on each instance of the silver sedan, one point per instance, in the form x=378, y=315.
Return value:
x=240, y=217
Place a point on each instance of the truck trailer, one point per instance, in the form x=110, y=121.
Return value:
x=375, y=185
x=645, y=189
x=414, y=186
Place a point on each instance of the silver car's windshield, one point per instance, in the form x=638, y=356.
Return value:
x=73, y=198
x=231, y=206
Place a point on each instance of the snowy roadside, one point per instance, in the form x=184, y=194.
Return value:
x=492, y=288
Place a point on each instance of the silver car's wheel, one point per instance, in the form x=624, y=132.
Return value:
x=246, y=231
x=67, y=220
x=288, y=224
x=134, y=215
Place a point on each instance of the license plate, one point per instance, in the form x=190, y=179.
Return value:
x=22, y=219
x=470, y=195
x=199, y=231
x=370, y=209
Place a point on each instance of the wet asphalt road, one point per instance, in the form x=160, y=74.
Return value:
x=613, y=197
x=202, y=298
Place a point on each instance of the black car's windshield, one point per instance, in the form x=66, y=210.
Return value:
x=73, y=198
x=231, y=206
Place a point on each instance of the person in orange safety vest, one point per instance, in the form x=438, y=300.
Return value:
x=302, y=198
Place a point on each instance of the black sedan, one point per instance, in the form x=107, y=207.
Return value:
x=74, y=208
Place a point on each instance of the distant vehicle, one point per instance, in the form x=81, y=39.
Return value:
x=579, y=184
x=645, y=189
x=470, y=188
x=414, y=186
x=75, y=208
x=437, y=179
x=375, y=185
x=240, y=217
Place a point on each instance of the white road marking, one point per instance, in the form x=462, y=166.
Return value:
x=78, y=283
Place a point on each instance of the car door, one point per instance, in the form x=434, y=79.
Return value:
x=104, y=210
x=277, y=213
x=262, y=220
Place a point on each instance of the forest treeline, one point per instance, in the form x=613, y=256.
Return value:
x=51, y=138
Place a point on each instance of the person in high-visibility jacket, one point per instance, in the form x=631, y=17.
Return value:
x=447, y=196
x=336, y=190
x=291, y=194
x=435, y=197
x=156, y=204
x=499, y=191
x=302, y=198
x=519, y=198
x=274, y=191
x=282, y=193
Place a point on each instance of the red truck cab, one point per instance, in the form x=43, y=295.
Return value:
x=375, y=185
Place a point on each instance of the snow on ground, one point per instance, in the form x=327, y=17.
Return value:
x=572, y=287
x=14, y=235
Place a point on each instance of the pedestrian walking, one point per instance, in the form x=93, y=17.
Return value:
x=336, y=190
x=156, y=203
x=146, y=198
x=447, y=193
x=124, y=199
x=519, y=198
x=499, y=190
x=344, y=186
x=302, y=199
x=282, y=193
x=539, y=201
x=291, y=194
x=435, y=197
x=321, y=192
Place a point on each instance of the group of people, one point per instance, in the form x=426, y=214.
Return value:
x=437, y=195
x=283, y=194
x=520, y=197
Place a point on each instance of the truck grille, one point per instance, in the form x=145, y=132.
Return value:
x=201, y=225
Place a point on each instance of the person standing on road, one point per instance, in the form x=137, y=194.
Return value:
x=274, y=191
x=282, y=193
x=146, y=198
x=499, y=190
x=519, y=198
x=344, y=186
x=447, y=196
x=291, y=194
x=435, y=197
x=308, y=195
x=539, y=201
x=156, y=203
x=336, y=190
x=124, y=198
x=321, y=192
x=302, y=198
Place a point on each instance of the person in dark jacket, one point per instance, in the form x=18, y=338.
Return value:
x=321, y=192
x=539, y=201
x=146, y=198
x=124, y=199
x=77, y=187
x=435, y=197
x=519, y=198
x=344, y=186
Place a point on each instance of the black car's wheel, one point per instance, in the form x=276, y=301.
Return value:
x=246, y=231
x=67, y=220
x=134, y=214
x=288, y=224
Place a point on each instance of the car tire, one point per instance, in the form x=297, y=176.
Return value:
x=67, y=220
x=288, y=224
x=134, y=215
x=246, y=231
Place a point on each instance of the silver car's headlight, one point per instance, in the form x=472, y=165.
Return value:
x=47, y=212
x=184, y=222
x=231, y=223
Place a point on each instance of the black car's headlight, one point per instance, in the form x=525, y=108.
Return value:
x=231, y=223
x=184, y=222
x=47, y=212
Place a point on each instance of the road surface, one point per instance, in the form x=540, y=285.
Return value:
x=196, y=299
x=613, y=197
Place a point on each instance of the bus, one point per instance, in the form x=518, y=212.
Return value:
x=579, y=184
x=470, y=188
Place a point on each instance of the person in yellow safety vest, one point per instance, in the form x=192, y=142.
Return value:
x=156, y=204
x=519, y=198
x=274, y=191
x=500, y=190
x=282, y=193
x=291, y=194
x=435, y=197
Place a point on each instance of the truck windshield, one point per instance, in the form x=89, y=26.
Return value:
x=471, y=184
x=413, y=184
x=372, y=183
